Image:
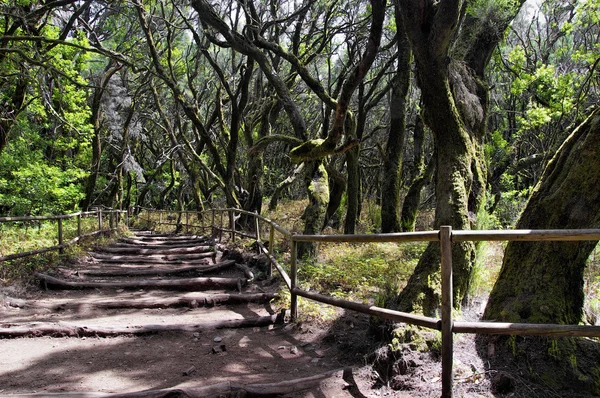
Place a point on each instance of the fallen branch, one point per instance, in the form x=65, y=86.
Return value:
x=178, y=284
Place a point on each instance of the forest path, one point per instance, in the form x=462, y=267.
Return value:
x=158, y=312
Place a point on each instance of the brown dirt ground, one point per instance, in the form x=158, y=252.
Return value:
x=46, y=365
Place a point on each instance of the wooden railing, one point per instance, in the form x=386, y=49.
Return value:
x=446, y=236
x=100, y=214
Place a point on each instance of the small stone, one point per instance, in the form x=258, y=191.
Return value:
x=120, y=290
x=218, y=339
x=196, y=334
x=189, y=371
x=315, y=360
x=294, y=350
x=194, y=304
x=281, y=347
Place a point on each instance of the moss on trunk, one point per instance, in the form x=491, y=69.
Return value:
x=542, y=282
x=318, y=198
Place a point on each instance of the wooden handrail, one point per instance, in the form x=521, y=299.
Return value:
x=60, y=217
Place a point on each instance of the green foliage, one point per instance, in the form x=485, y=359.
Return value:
x=30, y=184
x=360, y=270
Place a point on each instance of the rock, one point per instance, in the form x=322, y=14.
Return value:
x=189, y=371
x=294, y=350
x=194, y=304
x=502, y=383
x=218, y=339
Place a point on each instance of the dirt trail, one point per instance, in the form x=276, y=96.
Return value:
x=121, y=321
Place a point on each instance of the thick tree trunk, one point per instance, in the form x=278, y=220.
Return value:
x=412, y=200
x=542, y=282
x=392, y=163
x=317, y=184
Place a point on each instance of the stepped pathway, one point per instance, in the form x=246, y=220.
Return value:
x=157, y=272
x=154, y=312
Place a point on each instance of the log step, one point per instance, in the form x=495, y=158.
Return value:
x=171, y=284
x=74, y=330
x=151, y=251
x=153, y=258
x=160, y=244
x=152, y=270
x=189, y=300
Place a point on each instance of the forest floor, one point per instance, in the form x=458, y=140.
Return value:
x=342, y=352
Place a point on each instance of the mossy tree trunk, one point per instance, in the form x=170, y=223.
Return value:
x=455, y=103
x=542, y=282
x=392, y=163
x=318, y=199
x=422, y=175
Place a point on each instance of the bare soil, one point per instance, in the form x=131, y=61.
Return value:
x=58, y=365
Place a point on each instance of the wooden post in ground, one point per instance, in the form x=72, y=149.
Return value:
x=447, y=323
x=232, y=225
x=271, y=246
x=60, y=236
x=187, y=222
x=221, y=229
x=79, y=225
x=257, y=228
x=294, y=280
x=100, y=219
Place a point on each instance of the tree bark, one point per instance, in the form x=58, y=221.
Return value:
x=542, y=282
x=392, y=163
x=455, y=103
x=314, y=214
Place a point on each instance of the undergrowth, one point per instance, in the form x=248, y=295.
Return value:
x=20, y=237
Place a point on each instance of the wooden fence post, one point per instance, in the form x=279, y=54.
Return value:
x=256, y=226
x=294, y=280
x=232, y=225
x=271, y=251
x=60, y=236
x=221, y=229
x=99, y=219
x=187, y=222
x=447, y=322
x=79, y=225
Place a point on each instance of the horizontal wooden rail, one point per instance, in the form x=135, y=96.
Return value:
x=526, y=329
x=428, y=236
x=528, y=235
x=273, y=260
x=385, y=313
x=60, y=217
